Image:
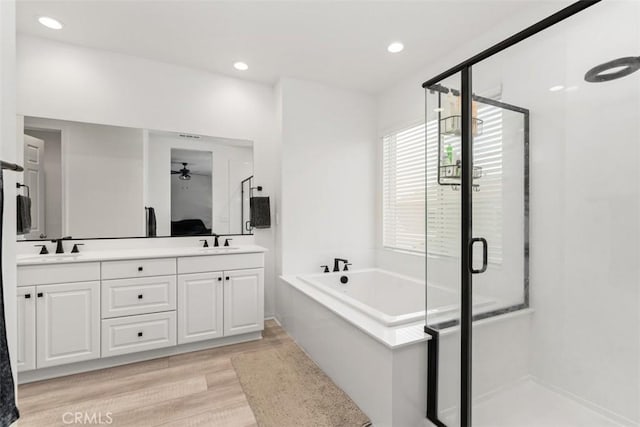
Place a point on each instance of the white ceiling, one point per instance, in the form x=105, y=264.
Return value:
x=341, y=43
x=198, y=162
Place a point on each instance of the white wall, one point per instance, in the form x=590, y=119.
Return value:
x=328, y=175
x=8, y=152
x=585, y=223
x=53, y=180
x=62, y=81
x=101, y=178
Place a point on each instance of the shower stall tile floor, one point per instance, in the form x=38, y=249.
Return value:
x=530, y=404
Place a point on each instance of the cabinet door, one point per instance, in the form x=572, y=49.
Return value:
x=26, y=328
x=68, y=319
x=199, y=307
x=243, y=301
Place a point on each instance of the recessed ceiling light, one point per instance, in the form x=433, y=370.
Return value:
x=556, y=88
x=242, y=66
x=48, y=22
x=395, y=47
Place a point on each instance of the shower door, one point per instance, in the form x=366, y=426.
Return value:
x=477, y=226
x=443, y=254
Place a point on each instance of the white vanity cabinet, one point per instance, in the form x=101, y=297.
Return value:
x=138, y=305
x=76, y=311
x=68, y=323
x=243, y=301
x=26, y=354
x=58, y=314
x=58, y=324
x=200, y=306
x=126, y=297
x=220, y=296
x=131, y=334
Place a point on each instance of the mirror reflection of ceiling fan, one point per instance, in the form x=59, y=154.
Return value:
x=185, y=173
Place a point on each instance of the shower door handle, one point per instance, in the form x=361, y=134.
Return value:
x=485, y=254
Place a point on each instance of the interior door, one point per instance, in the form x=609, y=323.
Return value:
x=34, y=179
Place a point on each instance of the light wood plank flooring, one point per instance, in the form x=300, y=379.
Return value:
x=192, y=389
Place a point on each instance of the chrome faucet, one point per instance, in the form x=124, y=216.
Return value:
x=336, y=263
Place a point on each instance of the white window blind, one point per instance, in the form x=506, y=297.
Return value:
x=403, y=189
x=405, y=182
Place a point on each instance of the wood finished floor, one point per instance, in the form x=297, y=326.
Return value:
x=193, y=389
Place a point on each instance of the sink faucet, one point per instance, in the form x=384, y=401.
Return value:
x=58, y=242
x=336, y=263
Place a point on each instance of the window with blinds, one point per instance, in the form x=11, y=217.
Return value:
x=403, y=189
x=405, y=186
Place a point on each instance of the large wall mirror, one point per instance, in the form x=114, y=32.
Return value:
x=96, y=181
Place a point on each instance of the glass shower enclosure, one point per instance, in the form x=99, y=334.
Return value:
x=533, y=218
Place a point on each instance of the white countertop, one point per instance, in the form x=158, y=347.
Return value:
x=140, y=253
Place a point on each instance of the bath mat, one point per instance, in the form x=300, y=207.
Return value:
x=285, y=388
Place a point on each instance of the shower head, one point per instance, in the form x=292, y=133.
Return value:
x=613, y=70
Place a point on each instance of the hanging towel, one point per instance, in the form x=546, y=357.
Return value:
x=23, y=214
x=260, y=212
x=151, y=223
x=8, y=410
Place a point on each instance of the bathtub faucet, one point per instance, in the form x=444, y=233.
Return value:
x=336, y=263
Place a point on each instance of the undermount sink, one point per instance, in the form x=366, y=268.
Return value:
x=219, y=249
x=49, y=257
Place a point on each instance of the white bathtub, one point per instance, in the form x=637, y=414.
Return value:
x=389, y=298
x=368, y=336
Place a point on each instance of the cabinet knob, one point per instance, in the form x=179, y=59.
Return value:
x=39, y=294
x=140, y=296
x=139, y=334
x=27, y=296
x=219, y=279
x=227, y=278
x=140, y=268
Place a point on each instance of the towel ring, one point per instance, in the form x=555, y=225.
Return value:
x=18, y=185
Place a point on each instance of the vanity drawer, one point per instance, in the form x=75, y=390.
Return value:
x=126, y=297
x=138, y=268
x=131, y=334
x=58, y=273
x=207, y=263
